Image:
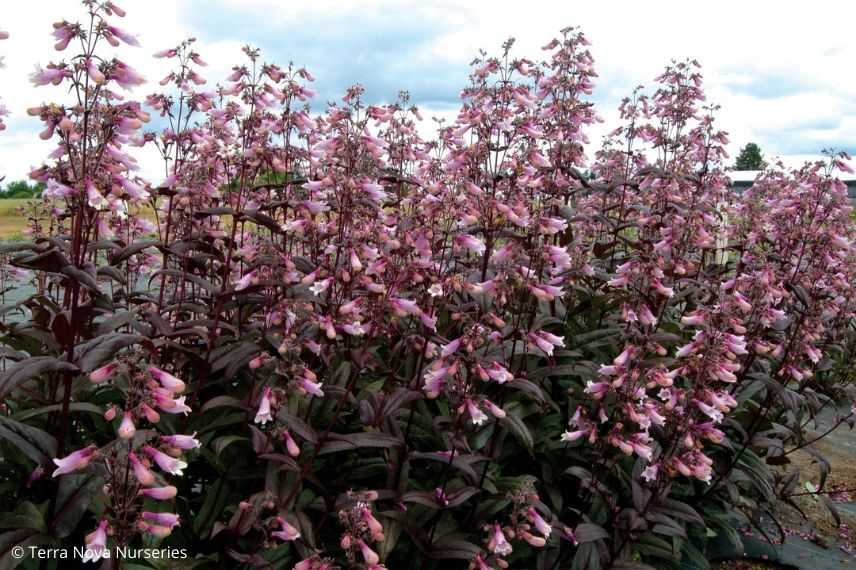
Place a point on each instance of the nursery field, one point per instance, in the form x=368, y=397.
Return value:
x=11, y=223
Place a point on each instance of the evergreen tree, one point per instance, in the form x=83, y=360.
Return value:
x=750, y=158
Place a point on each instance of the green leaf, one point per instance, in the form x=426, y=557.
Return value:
x=298, y=426
x=132, y=249
x=102, y=349
x=26, y=515
x=678, y=510
x=236, y=357
x=22, y=537
x=215, y=500
x=72, y=407
x=75, y=492
x=347, y=442
x=518, y=427
x=588, y=532
x=29, y=369
x=31, y=441
x=630, y=565
x=224, y=401
x=82, y=277
x=225, y=441
x=453, y=549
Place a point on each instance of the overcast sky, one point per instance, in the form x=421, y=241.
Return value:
x=783, y=76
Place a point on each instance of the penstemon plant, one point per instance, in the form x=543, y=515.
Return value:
x=326, y=342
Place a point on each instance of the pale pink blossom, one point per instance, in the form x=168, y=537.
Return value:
x=96, y=543
x=286, y=532
x=75, y=461
x=126, y=428
x=169, y=464
x=263, y=415
x=159, y=493
x=181, y=441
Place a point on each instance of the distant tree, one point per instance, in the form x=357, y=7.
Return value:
x=750, y=158
x=21, y=189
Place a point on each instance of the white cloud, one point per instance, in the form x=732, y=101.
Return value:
x=780, y=73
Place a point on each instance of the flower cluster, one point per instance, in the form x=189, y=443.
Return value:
x=487, y=346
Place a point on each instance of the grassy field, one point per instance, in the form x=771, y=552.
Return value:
x=11, y=223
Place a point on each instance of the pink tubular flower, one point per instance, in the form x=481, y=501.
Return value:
x=167, y=380
x=539, y=160
x=263, y=415
x=102, y=374
x=156, y=530
x=94, y=197
x=171, y=406
x=35, y=475
x=477, y=416
x=116, y=9
x=124, y=36
x=495, y=410
x=497, y=543
x=159, y=493
x=625, y=356
x=181, y=441
x=246, y=281
x=479, y=564
x=286, y=532
x=369, y=555
x=126, y=76
x=470, y=243
x=571, y=436
x=725, y=371
x=499, y=373
x=259, y=361
x=375, y=192
x=536, y=541
x=662, y=289
x=290, y=444
x=127, y=428
x=696, y=318
x=646, y=317
x=551, y=226
x=451, y=348
x=74, y=462
x=650, y=473
x=736, y=344
x=169, y=464
x=544, y=292
x=144, y=477
x=51, y=75
x=539, y=522
x=163, y=519
x=94, y=73
x=404, y=307
x=307, y=386
x=545, y=341
x=597, y=389
x=167, y=53
x=96, y=543
x=741, y=301
x=435, y=380
x=375, y=528
x=150, y=413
